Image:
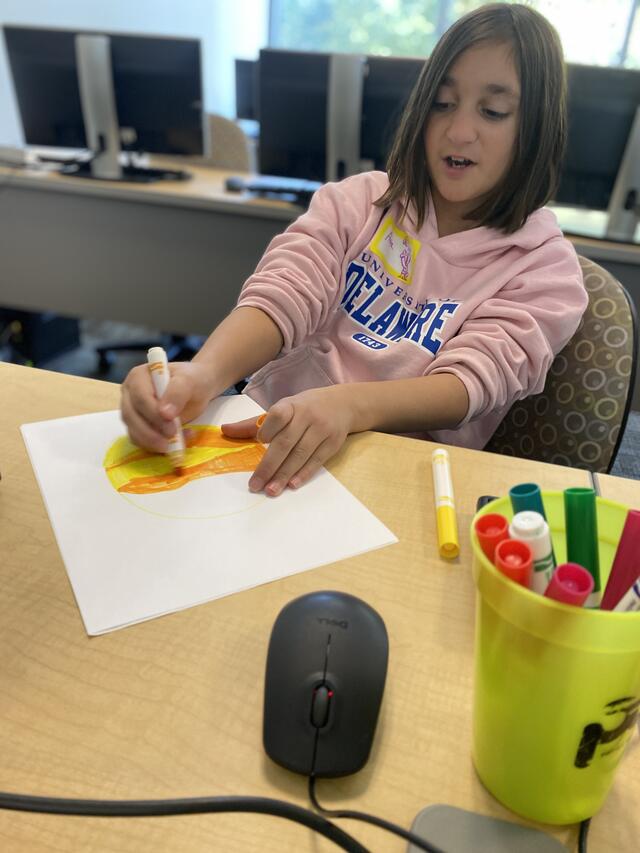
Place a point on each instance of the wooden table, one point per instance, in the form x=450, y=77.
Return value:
x=173, y=707
x=619, y=489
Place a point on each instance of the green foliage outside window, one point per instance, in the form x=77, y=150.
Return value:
x=593, y=32
x=390, y=27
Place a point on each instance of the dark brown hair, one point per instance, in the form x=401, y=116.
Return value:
x=533, y=175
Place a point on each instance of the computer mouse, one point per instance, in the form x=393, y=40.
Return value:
x=324, y=680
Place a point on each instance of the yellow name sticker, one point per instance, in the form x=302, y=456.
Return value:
x=396, y=250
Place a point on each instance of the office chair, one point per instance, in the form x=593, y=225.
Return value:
x=579, y=418
x=229, y=149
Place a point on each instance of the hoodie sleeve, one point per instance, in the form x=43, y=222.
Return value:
x=505, y=347
x=297, y=280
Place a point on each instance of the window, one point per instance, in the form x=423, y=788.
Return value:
x=608, y=33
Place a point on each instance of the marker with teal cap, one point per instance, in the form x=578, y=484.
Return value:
x=527, y=497
x=582, y=535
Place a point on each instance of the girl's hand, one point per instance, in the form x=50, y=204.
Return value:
x=149, y=421
x=302, y=432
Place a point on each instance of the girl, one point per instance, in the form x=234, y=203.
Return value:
x=427, y=299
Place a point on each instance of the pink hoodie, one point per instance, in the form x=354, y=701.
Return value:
x=361, y=296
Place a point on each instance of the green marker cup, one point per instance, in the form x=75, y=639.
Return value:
x=582, y=535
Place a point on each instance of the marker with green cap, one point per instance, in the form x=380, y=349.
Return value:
x=582, y=535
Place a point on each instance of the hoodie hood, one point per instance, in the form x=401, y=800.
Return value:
x=479, y=247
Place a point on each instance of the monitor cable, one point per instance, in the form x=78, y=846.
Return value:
x=372, y=819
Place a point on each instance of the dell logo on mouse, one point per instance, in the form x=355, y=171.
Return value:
x=339, y=623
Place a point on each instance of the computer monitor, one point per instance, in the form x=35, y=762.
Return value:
x=247, y=71
x=297, y=95
x=602, y=103
x=154, y=87
x=387, y=85
x=309, y=113
x=292, y=103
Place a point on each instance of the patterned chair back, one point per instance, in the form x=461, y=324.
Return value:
x=579, y=417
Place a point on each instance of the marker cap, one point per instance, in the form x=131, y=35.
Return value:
x=570, y=584
x=515, y=560
x=491, y=529
x=625, y=569
x=527, y=496
x=531, y=527
x=582, y=534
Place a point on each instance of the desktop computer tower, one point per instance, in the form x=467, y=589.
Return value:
x=36, y=338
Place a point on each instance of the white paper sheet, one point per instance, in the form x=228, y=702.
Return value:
x=135, y=557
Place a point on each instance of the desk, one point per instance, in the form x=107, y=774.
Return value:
x=173, y=707
x=169, y=255
x=619, y=489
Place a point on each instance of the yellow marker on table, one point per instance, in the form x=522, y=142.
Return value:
x=448, y=544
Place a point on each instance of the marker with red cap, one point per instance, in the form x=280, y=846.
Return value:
x=515, y=560
x=626, y=565
x=570, y=584
x=491, y=529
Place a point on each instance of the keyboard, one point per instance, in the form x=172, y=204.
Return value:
x=298, y=190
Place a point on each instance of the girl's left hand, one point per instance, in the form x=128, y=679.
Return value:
x=302, y=432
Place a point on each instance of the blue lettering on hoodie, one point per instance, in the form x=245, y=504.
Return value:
x=395, y=322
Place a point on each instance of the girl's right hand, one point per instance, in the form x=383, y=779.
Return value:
x=149, y=421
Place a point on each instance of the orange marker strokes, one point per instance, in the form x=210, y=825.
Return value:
x=135, y=471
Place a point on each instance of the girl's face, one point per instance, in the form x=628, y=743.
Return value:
x=471, y=131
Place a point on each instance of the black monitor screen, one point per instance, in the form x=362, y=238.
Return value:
x=157, y=86
x=45, y=79
x=602, y=104
x=247, y=71
x=387, y=86
x=293, y=95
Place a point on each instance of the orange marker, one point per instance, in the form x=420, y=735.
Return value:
x=159, y=369
x=260, y=421
x=514, y=558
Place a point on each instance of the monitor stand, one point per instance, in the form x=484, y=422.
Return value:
x=624, y=206
x=95, y=80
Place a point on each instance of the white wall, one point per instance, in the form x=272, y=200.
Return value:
x=229, y=29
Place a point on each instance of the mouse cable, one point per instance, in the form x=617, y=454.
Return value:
x=582, y=835
x=376, y=821
x=195, y=805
